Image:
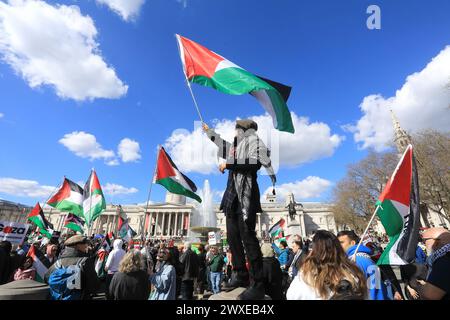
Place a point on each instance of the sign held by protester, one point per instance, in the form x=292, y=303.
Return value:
x=13, y=232
x=213, y=238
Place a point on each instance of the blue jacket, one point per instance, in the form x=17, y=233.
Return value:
x=283, y=255
x=421, y=257
x=377, y=288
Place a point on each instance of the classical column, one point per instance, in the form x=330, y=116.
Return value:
x=163, y=222
x=259, y=223
x=170, y=224
x=189, y=222
x=156, y=223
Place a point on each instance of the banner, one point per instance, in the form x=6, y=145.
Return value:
x=13, y=232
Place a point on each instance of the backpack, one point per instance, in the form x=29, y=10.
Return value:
x=65, y=282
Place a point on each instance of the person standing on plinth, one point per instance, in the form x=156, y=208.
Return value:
x=241, y=201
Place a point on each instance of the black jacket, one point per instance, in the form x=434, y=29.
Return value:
x=272, y=276
x=129, y=286
x=189, y=261
x=5, y=266
x=89, y=279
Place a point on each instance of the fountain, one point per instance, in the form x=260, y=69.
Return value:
x=204, y=219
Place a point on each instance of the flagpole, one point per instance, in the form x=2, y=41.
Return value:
x=189, y=84
x=53, y=192
x=365, y=231
x=151, y=183
x=90, y=202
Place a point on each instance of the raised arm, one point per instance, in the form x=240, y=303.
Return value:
x=223, y=145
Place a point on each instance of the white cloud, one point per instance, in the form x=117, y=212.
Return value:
x=85, y=145
x=309, y=188
x=56, y=46
x=129, y=150
x=2, y=115
x=112, y=163
x=116, y=189
x=24, y=188
x=422, y=103
x=193, y=152
x=127, y=9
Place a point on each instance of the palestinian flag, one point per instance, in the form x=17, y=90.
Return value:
x=69, y=198
x=399, y=212
x=277, y=229
x=37, y=217
x=74, y=222
x=40, y=263
x=168, y=175
x=209, y=69
x=93, y=200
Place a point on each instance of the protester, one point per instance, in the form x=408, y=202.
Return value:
x=241, y=201
x=215, y=263
x=26, y=270
x=189, y=261
x=112, y=262
x=323, y=269
x=50, y=254
x=164, y=279
x=131, y=281
x=272, y=273
x=201, y=279
x=74, y=254
x=282, y=253
x=299, y=256
x=349, y=242
x=5, y=262
x=437, y=284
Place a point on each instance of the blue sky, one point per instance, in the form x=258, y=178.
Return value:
x=323, y=49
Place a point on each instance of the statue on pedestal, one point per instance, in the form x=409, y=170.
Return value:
x=291, y=206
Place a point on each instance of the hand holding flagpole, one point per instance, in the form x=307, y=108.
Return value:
x=365, y=231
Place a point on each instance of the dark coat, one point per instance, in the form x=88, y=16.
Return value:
x=5, y=266
x=129, y=286
x=89, y=278
x=272, y=278
x=189, y=261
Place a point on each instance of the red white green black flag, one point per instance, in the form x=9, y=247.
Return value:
x=168, y=175
x=209, y=69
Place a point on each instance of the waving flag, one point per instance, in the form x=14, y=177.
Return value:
x=209, y=69
x=40, y=263
x=399, y=212
x=277, y=229
x=74, y=223
x=168, y=175
x=37, y=217
x=69, y=198
x=93, y=200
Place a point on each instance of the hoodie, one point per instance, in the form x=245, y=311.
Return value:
x=114, y=258
x=377, y=288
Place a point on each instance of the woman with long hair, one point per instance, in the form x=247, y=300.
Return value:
x=131, y=280
x=322, y=271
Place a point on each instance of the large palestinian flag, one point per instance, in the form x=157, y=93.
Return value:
x=93, y=200
x=399, y=212
x=69, y=198
x=168, y=175
x=37, y=217
x=74, y=223
x=207, y=68
x=40, y=263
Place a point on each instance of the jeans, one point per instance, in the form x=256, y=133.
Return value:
x=215, y=281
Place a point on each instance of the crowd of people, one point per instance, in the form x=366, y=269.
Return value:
x=324, y=267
